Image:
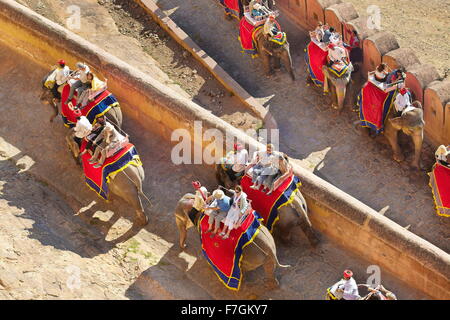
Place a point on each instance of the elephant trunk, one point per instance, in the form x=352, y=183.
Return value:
x=340, y=96
x=287, y=61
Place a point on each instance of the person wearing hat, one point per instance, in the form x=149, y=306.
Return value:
x=236, y=161
x=257, y=8
x=218, y=210
x=441, y=155
x=344, y=289
x=200, y=199
x=402, y=101
x=336, y=54
x=262, y=161
x=327, y=34
x=271, y=27
x=61, y=77
x=237, y=211
x=81, y=84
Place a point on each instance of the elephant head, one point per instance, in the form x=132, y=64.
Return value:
x=279, y=53
x=411, y=123
x=338, y=85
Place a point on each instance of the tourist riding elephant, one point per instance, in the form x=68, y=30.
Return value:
x=114, y=114
x=260, y=252
x=292, y=215
x=269, y=50
x=270, y=4
x=411, y=123
x=338, y=85
x=126, y=184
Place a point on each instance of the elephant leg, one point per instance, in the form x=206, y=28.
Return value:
x=276, y=63
x=418, y=141
x=392, y=136
x=55, y=110
x=182, y=229
x=269, y=269
x=265, y=59
x=287, y=61
x=304, y=222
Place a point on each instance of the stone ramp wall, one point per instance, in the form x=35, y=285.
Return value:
x=343, y=218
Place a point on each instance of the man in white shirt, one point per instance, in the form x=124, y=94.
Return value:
x=403, y=100
x=262, y=162
x=345, y=289
x=61, y=77
x=336, y=54
x=271, y=27
x=82, y=81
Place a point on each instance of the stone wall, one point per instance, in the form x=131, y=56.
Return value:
x=344, y=219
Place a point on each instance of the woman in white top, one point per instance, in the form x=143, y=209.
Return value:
x=237, y=210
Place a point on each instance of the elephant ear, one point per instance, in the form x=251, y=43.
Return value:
x=397, y=123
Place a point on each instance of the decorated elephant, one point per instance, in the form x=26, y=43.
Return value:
x=113, y=113
x=337, y=83
x=290, y=216
x=261, y=251
x=274, y=53
x=377, y=112
x=125, y=184
x=412, y=124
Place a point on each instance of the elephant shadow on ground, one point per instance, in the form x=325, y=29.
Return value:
x=193, y=277
x=51, y=218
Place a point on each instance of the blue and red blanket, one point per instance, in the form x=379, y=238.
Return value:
x=225, y=256
x=268, y=205
x=98, y=178
x=315, y=59
x=101, y=105
x=232, y=7
x=374, y=105
x=247, y=33
x=440, y=186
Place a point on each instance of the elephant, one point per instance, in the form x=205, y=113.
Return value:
x=292, y=215
x=269, y=50
x=114, y=114
x=338, y=86
x=260, y=252
x=126, y=184
x=412, y=124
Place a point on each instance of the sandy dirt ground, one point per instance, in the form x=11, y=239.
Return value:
x=420, y=24
x=41, y=224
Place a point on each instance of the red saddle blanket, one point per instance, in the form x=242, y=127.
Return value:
x=316, y=58
x=225, y=256
x=374, y=105
x=267, y=205
x=98, y=107
x=231, y=7
x=247, y=33
x=440, y=186
x=98, y=178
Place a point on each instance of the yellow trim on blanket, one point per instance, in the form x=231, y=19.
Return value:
x=240, y=259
